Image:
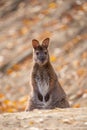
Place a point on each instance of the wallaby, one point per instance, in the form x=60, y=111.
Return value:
x=47, y=92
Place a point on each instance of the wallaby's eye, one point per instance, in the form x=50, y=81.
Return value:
x=45, y=52
x=37, y=53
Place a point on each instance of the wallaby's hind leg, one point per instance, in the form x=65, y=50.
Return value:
x=63, y=104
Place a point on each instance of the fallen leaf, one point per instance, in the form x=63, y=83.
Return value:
x=9, y=71
x=45, y=12
x=53, y=58
x=27, y=22
x=76, y=105
x=11, y=110
x=31, y=122
x=84, y=55
x=2, y=95
x=16, y=67
x=23, y=30
x=85, y=91
x=63, y=27
x=81, y=72
x=53, y=5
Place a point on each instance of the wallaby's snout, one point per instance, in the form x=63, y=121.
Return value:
x=42, y=58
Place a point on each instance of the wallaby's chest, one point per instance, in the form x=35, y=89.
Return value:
x=42, y=81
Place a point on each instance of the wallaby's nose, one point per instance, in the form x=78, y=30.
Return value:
x=42, y=59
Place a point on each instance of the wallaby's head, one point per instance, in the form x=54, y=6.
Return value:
x=40, y=52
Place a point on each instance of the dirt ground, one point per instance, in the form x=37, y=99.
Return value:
x=59, y=119
x=65, y=22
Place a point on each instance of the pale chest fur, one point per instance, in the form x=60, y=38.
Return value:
x=42, y=81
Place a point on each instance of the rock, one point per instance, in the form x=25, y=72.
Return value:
x=57, y=119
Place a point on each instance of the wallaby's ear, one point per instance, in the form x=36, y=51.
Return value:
x=45, y=43
x=35, y=43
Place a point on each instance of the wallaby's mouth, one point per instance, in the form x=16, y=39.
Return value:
x=42, y=59
x=42, y=62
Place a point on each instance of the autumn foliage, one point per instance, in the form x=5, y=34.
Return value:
x=65, y=23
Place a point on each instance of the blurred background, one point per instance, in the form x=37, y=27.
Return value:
x=65, y=22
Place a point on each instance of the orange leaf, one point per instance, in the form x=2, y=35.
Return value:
x=53, y=58
x=26, y=22
x=23, y=30
x=16, y=67
x=7, y=102
x=45, y=12
x=11, y=110
x=31, y=122
x=84, y=55
x=81, y=72
x=9, y=71
x=76, y=105
x=63, y=27
x=52, y=5
x=2, y=95
x=85, y=91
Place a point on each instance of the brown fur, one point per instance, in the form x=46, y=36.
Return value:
x=47, y=92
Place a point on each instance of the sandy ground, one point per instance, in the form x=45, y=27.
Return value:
x=58, y=119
